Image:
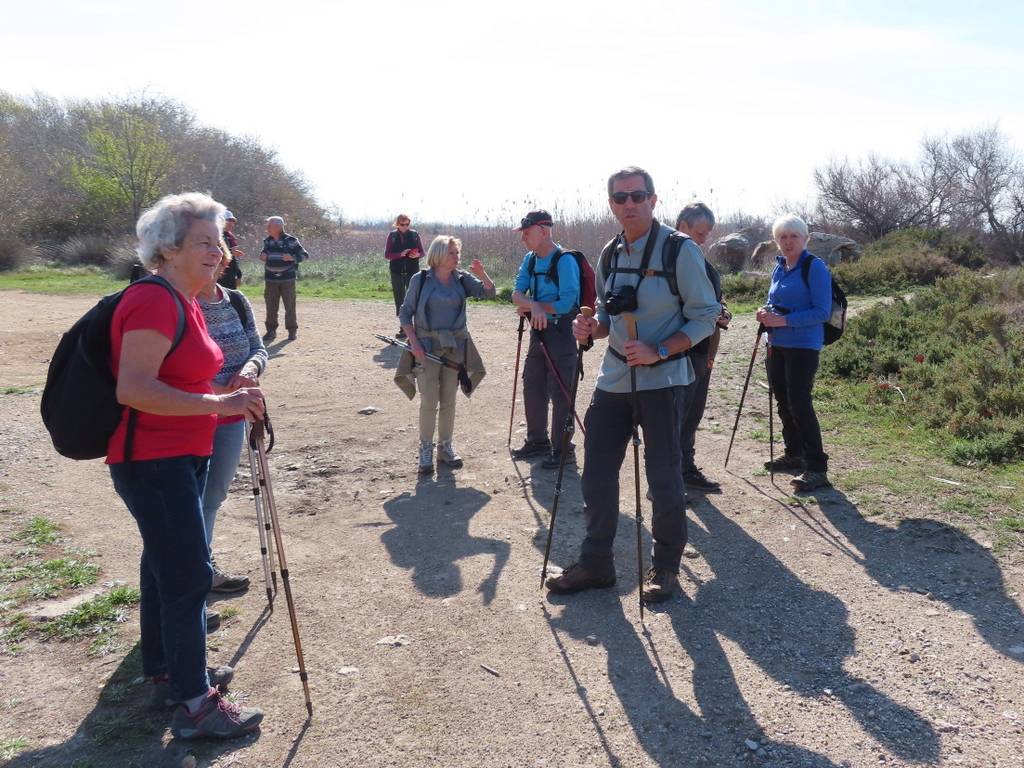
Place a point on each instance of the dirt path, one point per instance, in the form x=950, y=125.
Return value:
x=807, y=635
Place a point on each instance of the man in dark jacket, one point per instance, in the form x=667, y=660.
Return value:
x=232, y=276
x=282, y=254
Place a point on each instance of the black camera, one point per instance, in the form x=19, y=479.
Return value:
x=619, y=300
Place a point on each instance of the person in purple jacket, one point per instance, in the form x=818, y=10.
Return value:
x=795, y=318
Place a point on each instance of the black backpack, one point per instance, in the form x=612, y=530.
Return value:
x=238, y=302
x=836, y=323
x=79, y=404
x=669, y=256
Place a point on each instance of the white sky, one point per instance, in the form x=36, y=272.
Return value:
x=474, y=111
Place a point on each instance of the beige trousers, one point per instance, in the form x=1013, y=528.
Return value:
x=437, y=384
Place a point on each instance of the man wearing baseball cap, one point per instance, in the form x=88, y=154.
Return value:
x=232, y=276
x=548, y=290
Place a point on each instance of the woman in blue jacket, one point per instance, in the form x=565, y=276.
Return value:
x=794, y=316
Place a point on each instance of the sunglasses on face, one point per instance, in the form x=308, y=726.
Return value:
x=637, y=196
x=404, y=224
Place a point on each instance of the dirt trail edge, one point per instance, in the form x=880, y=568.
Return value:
x=807, y=634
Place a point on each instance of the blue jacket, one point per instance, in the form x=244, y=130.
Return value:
x=564, y=296
x=809, y=305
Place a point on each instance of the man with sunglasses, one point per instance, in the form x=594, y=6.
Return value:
x=668, y=323
x=548, y=290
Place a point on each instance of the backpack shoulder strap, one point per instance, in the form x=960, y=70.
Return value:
x=235, y=297
x=669, y=257
x=179, y=332
x=605, y=262
x=419, y=293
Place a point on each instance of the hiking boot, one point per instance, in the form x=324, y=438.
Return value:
x=578, y=577
x=446, y=453
x=426, y=458
x=700, y=482
x=212, y=620
x=227, y=583
x=269, y=336
x=529, y=450
x=216, y=718
x=690, y=551
x=553, y=460
x=659, y=585
x=220, y=677
x=293, y=335
x=809, y=481
x=400, y=334
x=786, y=464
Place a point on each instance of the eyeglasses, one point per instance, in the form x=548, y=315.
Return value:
x=637, y=196
x=405, y=224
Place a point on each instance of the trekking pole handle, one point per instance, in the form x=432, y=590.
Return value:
x=630, y=319
x=587, y=312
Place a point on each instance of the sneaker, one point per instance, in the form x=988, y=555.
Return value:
x=426, y=465
x=578, y=577
x=659, y=585
x=530, y=450
x=227, y=583
x=554, y=460
x=400, y=334
x=220, y=677
x=293, y=335
x=809, y=481
x=212, y=620
x=700, y=482
x=216, y=718
x=690, y=551
x=786, y=464
x=269, y=336
x=447, y=453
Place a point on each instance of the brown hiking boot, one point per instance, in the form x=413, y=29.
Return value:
x=659, y=585
x=786, y=463
x=578, y=577
x=810, y=481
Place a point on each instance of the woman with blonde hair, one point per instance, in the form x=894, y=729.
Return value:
x=433, y=316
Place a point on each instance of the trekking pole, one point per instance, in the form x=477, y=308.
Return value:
x=515, y=377
x=743, y=396
x=566, y=436
x=558, y=378
x=630, y=321
x=258, y=430
x=771, y=417
x=269, y=576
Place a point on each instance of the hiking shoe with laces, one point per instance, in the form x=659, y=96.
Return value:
x=552, y=461
x=216, y=718
x=400, y=334
x=578, y=577
x=659, y=585
x=212, y=620
x=220, y=678
x=529, y=450
x=809, y=481
x=227, y=583
x=426, y=465
x=700, y=482
x=787, y=464
x=446, y=452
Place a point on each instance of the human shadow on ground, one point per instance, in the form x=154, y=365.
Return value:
x=277, y=348
x=934, y=558
x=797, y=635
x=388, y=356
x=123, y=730
x=431, y=534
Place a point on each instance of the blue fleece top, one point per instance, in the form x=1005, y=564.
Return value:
x=564, y=296
x=809, y=305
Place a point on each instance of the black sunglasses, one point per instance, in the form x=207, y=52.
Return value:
x=637, y=196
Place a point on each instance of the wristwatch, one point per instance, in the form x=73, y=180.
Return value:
x=663, y=352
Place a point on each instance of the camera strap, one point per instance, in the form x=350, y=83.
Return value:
x=645, y=261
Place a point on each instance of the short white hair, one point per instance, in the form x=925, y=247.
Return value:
x=163, y=226
x=789, y=222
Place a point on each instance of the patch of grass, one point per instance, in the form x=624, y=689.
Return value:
x=228, y=613
x=11, y=748
x=92, y=615
x=50, y=577
x=60, y=280
x=19, y=390
x=38, y=531
x=11, y=635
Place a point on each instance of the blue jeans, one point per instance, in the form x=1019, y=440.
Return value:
x=227, y=449
x=164, y=496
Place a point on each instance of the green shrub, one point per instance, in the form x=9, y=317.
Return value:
x=956, y=351
x=93, y=250
x=893, y=271
x=745, y=287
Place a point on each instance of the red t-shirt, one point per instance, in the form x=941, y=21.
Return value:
x=190, y=368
